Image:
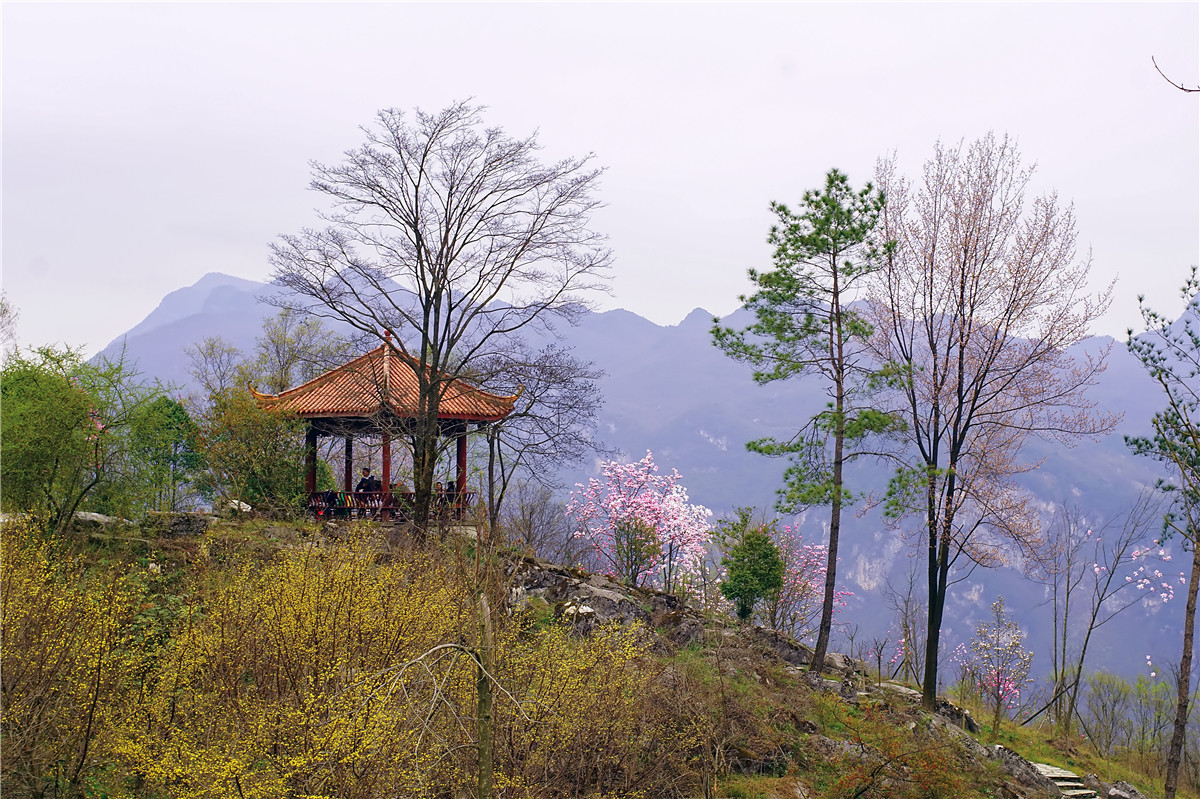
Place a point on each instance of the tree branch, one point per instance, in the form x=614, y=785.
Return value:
x=1179, y=86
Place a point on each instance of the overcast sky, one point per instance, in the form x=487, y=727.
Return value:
x=146, y=145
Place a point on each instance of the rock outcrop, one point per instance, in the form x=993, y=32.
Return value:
x=176, y=525
x=586, y=601
x=1029, y=781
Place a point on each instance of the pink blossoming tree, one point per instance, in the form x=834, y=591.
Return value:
x=796, y=609
x=640, y=523
x=1000, y=662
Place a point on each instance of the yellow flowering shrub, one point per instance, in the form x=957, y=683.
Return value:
x=62, y=663
x=320, y=671
x=291, y=681
x=584, y=718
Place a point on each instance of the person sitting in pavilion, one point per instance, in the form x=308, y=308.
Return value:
x=364, y=491
x=367, y=483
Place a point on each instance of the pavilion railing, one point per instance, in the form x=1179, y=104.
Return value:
x=370, y=504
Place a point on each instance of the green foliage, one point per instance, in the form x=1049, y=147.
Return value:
x=1170, y=351
x=805, y=324
x=253, y=455
x=163, y=442
x=728, y=531
x=754, y=571
x=635, y=547
x=41, y=429
x=69, y=435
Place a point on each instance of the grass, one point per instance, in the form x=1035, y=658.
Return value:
x=769, y=733
x=1037, y=743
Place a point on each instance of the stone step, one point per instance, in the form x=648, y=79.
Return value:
x=1068, y=782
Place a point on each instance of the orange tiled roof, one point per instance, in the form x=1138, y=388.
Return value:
x=361, y=387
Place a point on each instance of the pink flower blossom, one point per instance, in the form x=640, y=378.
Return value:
x=640, y=522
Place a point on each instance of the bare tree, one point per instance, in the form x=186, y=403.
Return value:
x=1089, y=568
x=451, y=237
x=911, y=615
x=552, y=423
x=533, y=520
x=216, y=364
x=293, y=349
x=978, y=304
x=8, y=325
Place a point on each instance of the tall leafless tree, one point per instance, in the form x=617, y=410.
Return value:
x=552, y=423
x=1083, y=574
x=978, y=305
x=452, y=237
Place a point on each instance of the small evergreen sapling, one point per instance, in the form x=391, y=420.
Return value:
x=754, y=571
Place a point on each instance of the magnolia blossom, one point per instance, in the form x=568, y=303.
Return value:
x=796, y=608
x=1143, y=578
x=640, y=523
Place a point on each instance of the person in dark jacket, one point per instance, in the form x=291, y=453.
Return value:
x=368, y=482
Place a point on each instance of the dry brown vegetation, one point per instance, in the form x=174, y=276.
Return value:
x=274, y=660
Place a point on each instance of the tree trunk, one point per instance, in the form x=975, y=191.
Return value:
x=424, y=462
x=483, y=685
x=1184, y=687
x=937, y=604
x=839, y=448
x=492, y=510
x=938, y=555
x=835, y=525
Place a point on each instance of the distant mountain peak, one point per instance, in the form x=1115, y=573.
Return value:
x=212, y=280
x=698, y=318
x=194, y=299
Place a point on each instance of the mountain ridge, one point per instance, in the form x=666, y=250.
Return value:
x=668, y=390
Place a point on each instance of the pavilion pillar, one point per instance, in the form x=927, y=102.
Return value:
x=460, y=478
x=348, y=465
x=387, y=474
x=310, y=459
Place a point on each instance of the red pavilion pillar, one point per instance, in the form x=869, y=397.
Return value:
x=387, y=475
x=310, y=459
x=460, y=479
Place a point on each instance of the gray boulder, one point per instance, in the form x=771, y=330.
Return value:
x=1123, y=790
x=1026, y=775
x=83, y=520
x=175, y=525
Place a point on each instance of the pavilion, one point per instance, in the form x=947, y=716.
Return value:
x=375, y=394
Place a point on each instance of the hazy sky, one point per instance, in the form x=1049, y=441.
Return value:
x=147, y=144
